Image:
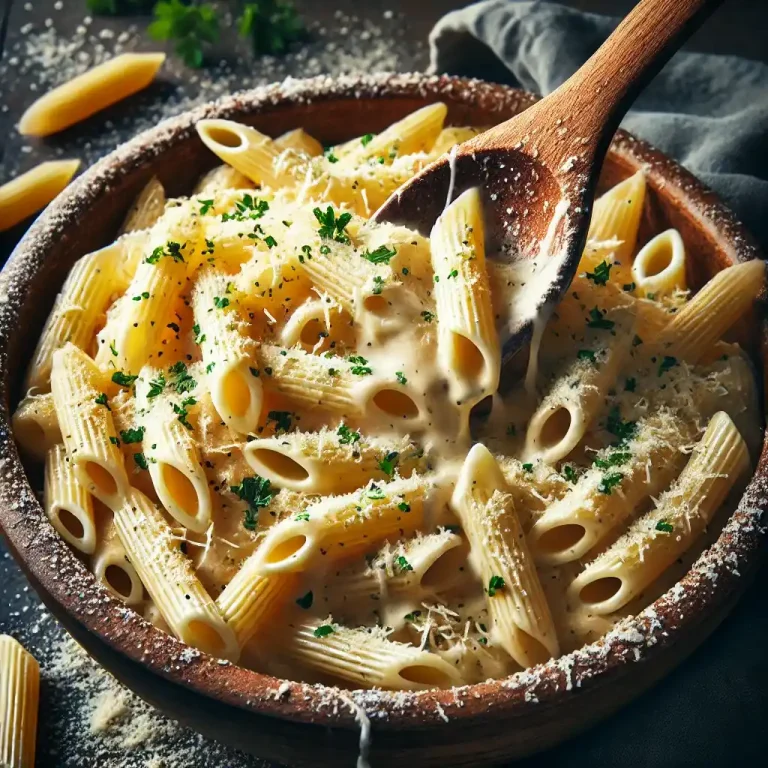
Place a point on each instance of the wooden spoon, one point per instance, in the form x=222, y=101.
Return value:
x=539, y=170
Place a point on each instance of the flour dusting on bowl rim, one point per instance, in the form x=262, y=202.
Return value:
x=714, y=579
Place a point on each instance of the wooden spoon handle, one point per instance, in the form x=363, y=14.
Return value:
x=599, y=94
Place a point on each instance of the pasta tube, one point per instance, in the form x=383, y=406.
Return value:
x=19, y=699
x=228, y=353
x=658, y=538
x=339, y=527
x=712, y=311
x=172, y=456
x=467, y=343
x=84, y=415
x=330, y=462
x=33, y=190
x=659, y=267
x=146, y=209
x=67, y=504
x=35, y=425
x=113, y=570
x=169, y=578
x=86, y=94
x=298, y=140
x=220, y=179
x=366, y=657
x=515, y=599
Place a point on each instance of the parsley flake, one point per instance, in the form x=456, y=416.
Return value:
x=102, y=400
x=324, y=630
x=388, y=463
x=123, y=379
x=381, y=255
x=256, y=493
x=132, y=435
x=331, y=226
x=664, y=526
x=305, y=601
x=495, y=584
x=601, y=274
x=346, y=435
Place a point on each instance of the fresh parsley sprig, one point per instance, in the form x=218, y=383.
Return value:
x=192, y=27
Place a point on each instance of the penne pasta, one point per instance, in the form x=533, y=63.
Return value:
x=658, y=538
x=33, y=190
x=298, y=140
x=35, y=425
x=146, y=209
x=113, y=570
x=516, y=601
x=220, y=179
x=659, y=268
x=86, y=94
x=19, y=699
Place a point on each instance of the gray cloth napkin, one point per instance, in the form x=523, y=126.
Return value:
x=708, y=112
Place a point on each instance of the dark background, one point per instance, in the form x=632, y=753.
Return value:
x=712, y=710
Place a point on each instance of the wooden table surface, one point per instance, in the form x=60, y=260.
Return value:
x=708, y=712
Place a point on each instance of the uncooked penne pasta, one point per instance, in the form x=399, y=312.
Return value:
x=35, y=425
x=330, y=462
x=86, y=94
x=516, y=601
x=112, y=568
x=467, y=343
x=228, y=353
x=67, y=504
x=169, y=578
x=341, y=526
x=19, y=699
x=172, y=454
x=33, y=190
x=366, y=658
x=658, y=538
x=85, y=418
x=659, y=268
x=712, y=311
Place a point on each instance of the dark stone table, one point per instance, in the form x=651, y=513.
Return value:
x=710, y=711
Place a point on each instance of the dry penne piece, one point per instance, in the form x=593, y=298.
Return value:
x=19, y=700
x=170, y=579
x=516, y=601
x=366, y=657
x=33, y=190
x=36, y=426
x=658, y=538
x=86, y=94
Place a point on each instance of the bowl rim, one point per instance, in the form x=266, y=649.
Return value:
x=717, y=574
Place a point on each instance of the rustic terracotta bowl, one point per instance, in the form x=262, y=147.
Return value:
x=309, y=725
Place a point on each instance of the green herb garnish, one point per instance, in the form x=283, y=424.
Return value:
x=495, y=584
x=601, y=274
x=256, y=493
x=129, y=436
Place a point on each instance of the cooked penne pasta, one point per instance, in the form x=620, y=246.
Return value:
x=659, y=268
x=146, y=209
x=33, y=190
x=228, y=353
x=35, y=425
x=658, y=538
x=112, y=568
x=67, y=504
x=86, y=94
x=169, y=578
x=516, y=601
x=365, y=657
x=85, y=418
x=19, y=699
x=221, y=178
x=467, y=342
x=298, y=140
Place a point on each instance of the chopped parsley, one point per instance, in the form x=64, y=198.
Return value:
x=140, y=460
x=597, y=320
x=359, y=365
x=182, y=413
x=495, y=584
x=270, y=241
x=374, y=492
x=587, y=354
x=132, y=435
x=346, y=435
x=182, y=381
x=331, y=226
x=453, y=273
x=400, y=376
x=630, y=384
x=366, y=139
x=324, y=630
x=171, y=250
x=102, y=400
x=305, y=601
x=601, y=274
x=609, y=482
x=302, y=517
x=329, y=156
x=428, y=317
x=528, y=467
x=205, y=206
x=615, y=459
x=667, y=364
x=624, y=430
x=256, y=493
x=570, y=474
x=381, y=255
x=664, y=526
x=199, y=339
x=113, y=349
x=271, y=25
x=123, y=379
x=114, y=440
x=412, y=616
x=142, y=295
x=378, y=285
x=404, y=506
x=388, y=463
x=282, y=420
x=220, y=302
x=403, y=564
x=156, y=386
x=247, y=208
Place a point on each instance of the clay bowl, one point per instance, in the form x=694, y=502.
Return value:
x=313, y=725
